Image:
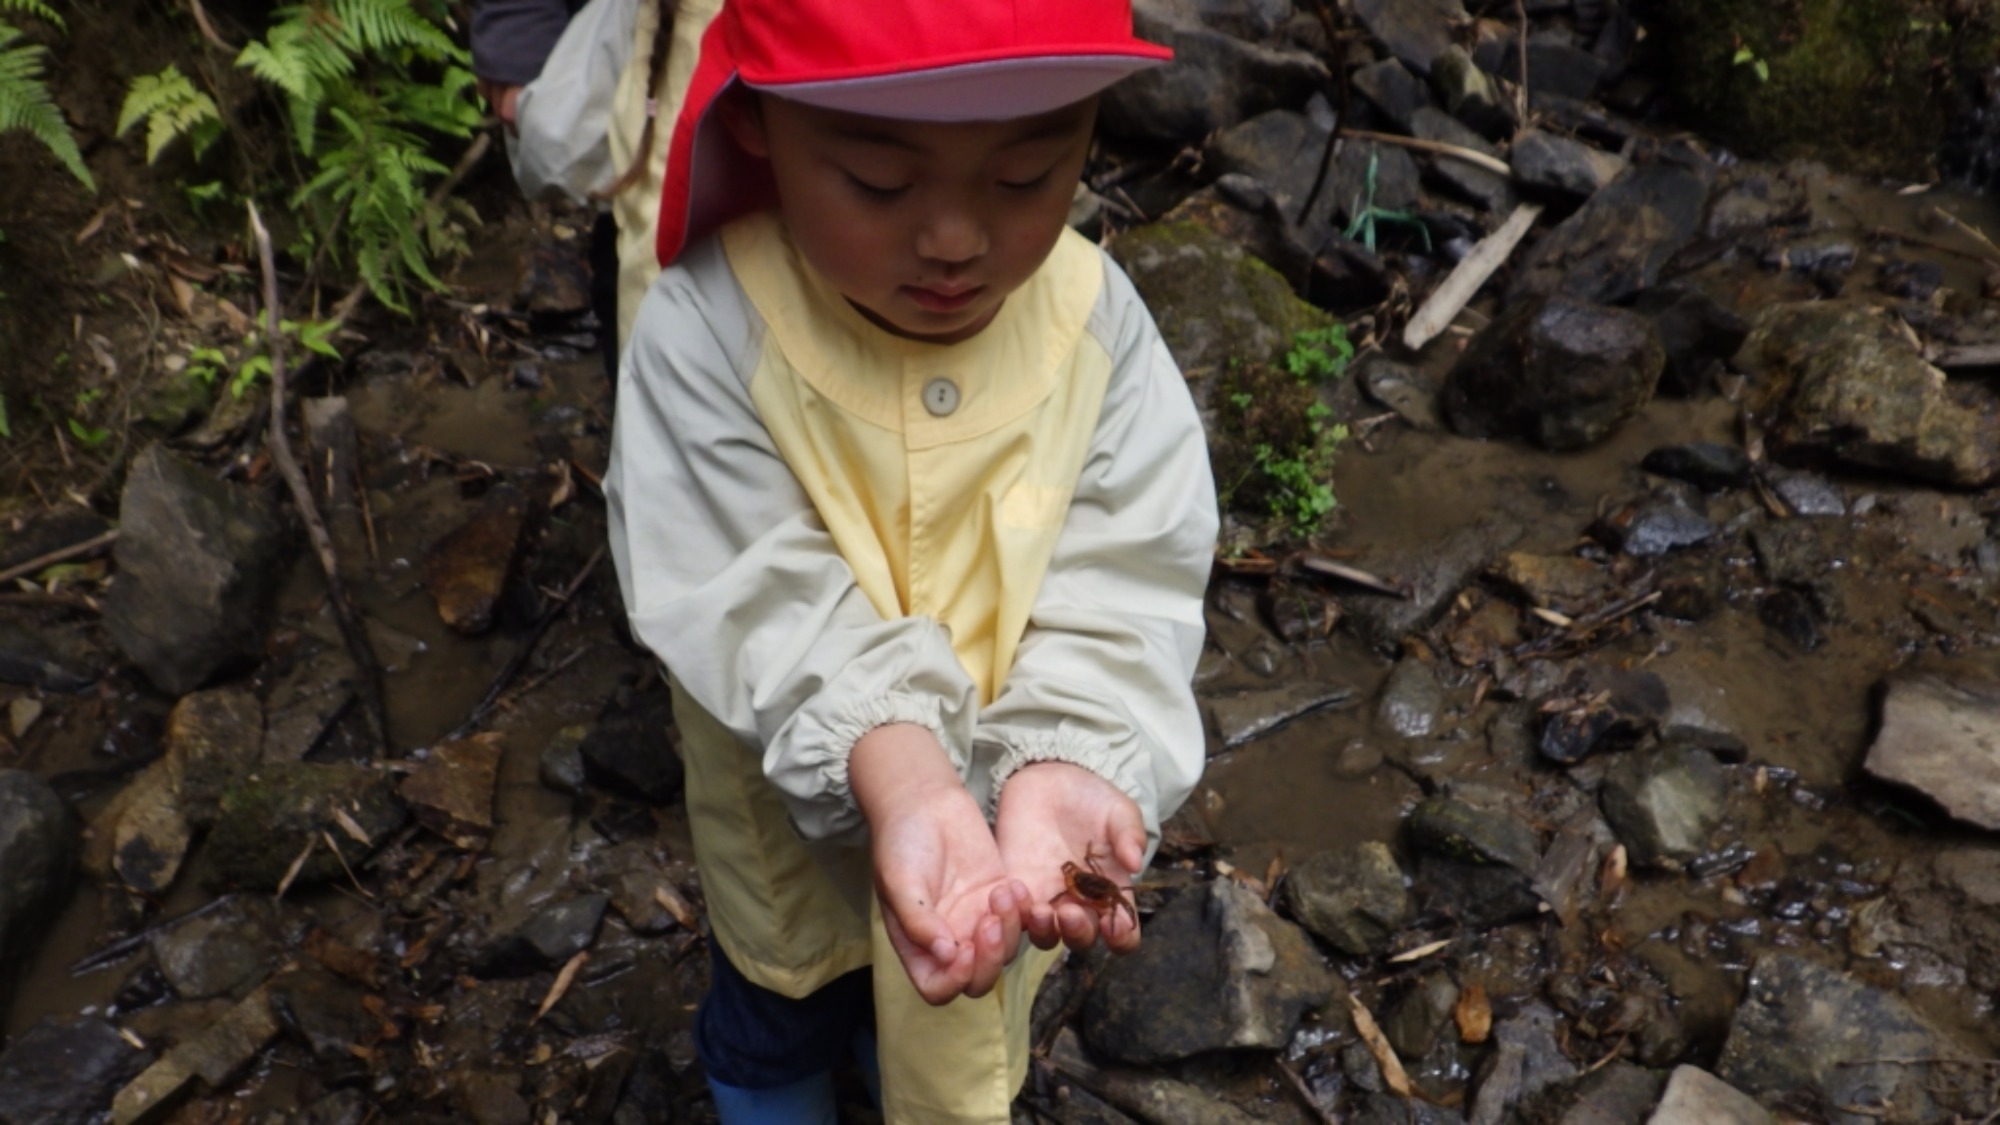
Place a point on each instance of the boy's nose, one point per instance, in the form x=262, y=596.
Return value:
x=953, y=236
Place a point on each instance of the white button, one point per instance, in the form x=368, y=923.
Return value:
x=940, y=396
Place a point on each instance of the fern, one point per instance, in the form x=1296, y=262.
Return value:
x=36, y=9
x=171, y=107
x=25, y=103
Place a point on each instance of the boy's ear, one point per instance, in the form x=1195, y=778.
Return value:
x=743, y=115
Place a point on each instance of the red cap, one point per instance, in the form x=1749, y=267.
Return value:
x=914, y=60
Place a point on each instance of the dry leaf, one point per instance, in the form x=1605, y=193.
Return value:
x=1474, y=1014
x=563, y=980
x=1420, y=952
x=292, y=872
x=675, y=905
x=354, y=831
x=1378, y=1045
x=183, y=295
x=1612, y=879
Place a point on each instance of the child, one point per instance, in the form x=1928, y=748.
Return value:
x=911, y=501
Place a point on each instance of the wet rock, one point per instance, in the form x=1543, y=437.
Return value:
x=1940, y=735
x=308, y=699
x=1564, y=583
x=1271, y=148
x=323, y=1011
x=562, y=761
x=1433, y=577
x=38, y=847
x=267, y=821
x=638, y=882
x=65, y=1072
x=1397, y=180
x=1806, y=494
x=1353, y=898
x=1526, y=1059
x=211, y=743
x=1617, y=1095
x=342, y=1107
x=1945, y=906
x=1395, y=91
x=1215, y=303
x=1299, y=615
x=1751, y=199
x=1454, y=829
x=51, y=655
x=1555, y=64
x=1217, y=971
x=1709, y=466
x=1654, y=526
x=1696, y=1097
x=223, y=952
x=554, y=282
x=553, y=935
x=48, y=533
x=1600, y=708
x=1916, y=281
x=487, y=1098
x=1806, y=1032
x=1617, y=244
x=1566, y=878
x=1470, y=94
x=1697, y=332
x=1411, y=699
x=1214, y=81
x=1246, y=213
x=1486, y=188
x=1400, y=387
x=629, y=752
x=1841, y=381
x=1239, y=717
x=1692, y=586
x=1557, y=167
x=1792, y=615
x=1146, y=1095
x=1564, y=373
x=1415, y=31
x=214, y=1055
x=451, y=789
x=466, y=572
x=198, y=564
x=1417, y=1015
x=1797, y=553
x=1665, y=805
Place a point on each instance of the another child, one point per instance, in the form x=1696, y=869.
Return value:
x=911, y=501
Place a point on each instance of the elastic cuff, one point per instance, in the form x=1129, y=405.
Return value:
x=847, y=728
x=1025, y=748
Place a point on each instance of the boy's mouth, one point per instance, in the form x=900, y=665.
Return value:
x=944, y=300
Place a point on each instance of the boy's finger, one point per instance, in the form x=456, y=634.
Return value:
x=1121, y=934
x=990, y=957
x=1078, y=926
x=1041, y=926
x=1128, y=847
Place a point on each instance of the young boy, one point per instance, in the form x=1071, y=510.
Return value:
x=911, y=501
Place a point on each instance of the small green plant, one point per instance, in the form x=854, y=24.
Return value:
x=25, y=103
x=1319, y=354
x=171, y=108
x=1277, y=439
x=91, y=436
x=1366, y=215
x=211, y=365
x=1744, y=56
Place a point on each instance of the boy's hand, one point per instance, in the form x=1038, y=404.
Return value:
x=1052, y=813
x=952, y=914
x=501, y=98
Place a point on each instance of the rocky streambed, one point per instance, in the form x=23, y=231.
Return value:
x=1625, y=747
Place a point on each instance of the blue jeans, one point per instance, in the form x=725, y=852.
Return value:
x=750, y=1037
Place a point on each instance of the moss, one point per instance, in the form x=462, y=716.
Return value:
x=1865, y=85
x=1216, y=303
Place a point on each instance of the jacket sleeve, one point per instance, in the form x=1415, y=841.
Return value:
x=729, y=576
x=1103, y=676
x=512, y=38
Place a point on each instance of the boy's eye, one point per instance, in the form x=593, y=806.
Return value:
x=873, y=191
x=1030, y=184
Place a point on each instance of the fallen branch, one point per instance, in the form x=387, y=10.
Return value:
x=1991, y=251
x=1969, y=355
x=1449, y=299
x=367, y=669
x=64, y=554
x=1457, y=152
x=520, y=658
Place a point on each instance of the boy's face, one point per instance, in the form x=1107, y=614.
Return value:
x=925, y=227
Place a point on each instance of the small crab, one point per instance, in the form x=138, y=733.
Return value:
x=1095, y=889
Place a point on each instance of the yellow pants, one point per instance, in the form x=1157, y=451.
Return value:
x=793, y=915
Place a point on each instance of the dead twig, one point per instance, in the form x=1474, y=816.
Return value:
x=1450, y=298
x=208, y=29
x=520, y=658
x=63, y=554
x=126, y=946
x=1298, y=1086
x=368, y=669
x=1991, y=251
x=1456, y=152
x=1521, y=95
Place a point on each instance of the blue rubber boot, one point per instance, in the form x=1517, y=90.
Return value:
x=809, y=1101
x=868, y=1063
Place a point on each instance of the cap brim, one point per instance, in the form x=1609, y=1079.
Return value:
x=986, y=90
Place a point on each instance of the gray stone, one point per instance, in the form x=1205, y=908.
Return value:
x=1842, y=381
x=1598, y=708
x=38, y=850
x=286, y=809
x=324, y=1011
x=1944, y=908
x=1806, y=494
x=1411, y=699
x=1561, y=372
x=1482, y=186
x=1405, y=389
x=1396, y=187
x=1454, y=829
x=1665, y=805
x=1808, y=1034
x=198, y=565
x=1214, y=81
x=224, y=952
x=1555, y=65
x=562, y=761
x=1278, y=149
x=1696, y=1097
x=1416, y=1016
x=1620, y=1094
x=1246, y=19
x=1708, y=465
x=1698, y=333
x=552, y=936
x=1415, y=31
x=629, y=752
x=1241, y=716
x=1470, y=94
x=1618, y=243
x=1551, y=166
x=1654, y=526
x=65, y=1072
x=215, y=1054
x=1353, y=898
x=1217, y=971
x=1392, y=88
x=1526, y=1059
x=1941, y=736
x=1564, y=583
x=1433, y=577
x=54, y=655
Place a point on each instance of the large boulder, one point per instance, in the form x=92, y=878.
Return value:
x=1562, y=372
x=198, y=565
x=1214, y=81
x=65, y=1073
x=1617, y=244
x=1840, y=380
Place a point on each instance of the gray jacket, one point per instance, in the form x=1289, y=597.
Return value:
x=512, y=38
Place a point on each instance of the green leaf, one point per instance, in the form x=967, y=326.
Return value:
x=25, y=103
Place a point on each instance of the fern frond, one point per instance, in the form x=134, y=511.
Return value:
x=381, y=26
x=35, y=8
x=25, y=103
x=170, y=106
